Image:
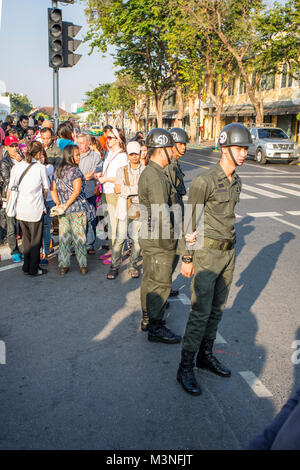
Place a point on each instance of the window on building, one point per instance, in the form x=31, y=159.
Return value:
x=215, y=87
x=174, y=98
x=231, y=86
x=286, y=78
x=242, y=86
x=268, y=81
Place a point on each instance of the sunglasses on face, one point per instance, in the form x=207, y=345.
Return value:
x=111, y=137
x=14, y=145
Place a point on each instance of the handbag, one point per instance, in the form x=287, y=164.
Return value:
x=137, y=213
x=56, y=210
x=11, y=207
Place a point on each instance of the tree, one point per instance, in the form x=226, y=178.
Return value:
x=45, y=116
x=20, y=103
x=203, y=59
x=136, y=31
x=98, y=101
x=239, y=26
x=135, y=94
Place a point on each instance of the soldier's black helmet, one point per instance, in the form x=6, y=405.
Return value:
x=159, y=138
x=235, y=134
x=179, y=135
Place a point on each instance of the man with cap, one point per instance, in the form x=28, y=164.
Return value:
x=157, y=238
x=211, y=261
x=11, y=157
x=176, y=178
x=127, y=211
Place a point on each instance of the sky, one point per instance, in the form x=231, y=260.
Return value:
x=24, y=54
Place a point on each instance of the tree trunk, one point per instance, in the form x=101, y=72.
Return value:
x=180, y=101
x=159, y=106
x=193, y=118
x=258, y=106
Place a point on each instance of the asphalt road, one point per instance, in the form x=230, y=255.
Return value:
x=79, y=374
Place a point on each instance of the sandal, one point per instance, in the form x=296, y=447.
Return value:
x=90, y=251
x=105, y=256
x=112, y=273
x=133, y=273
x=106, y=261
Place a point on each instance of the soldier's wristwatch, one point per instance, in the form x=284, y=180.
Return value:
x=187, y=259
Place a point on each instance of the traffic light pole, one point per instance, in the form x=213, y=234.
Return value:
x=55, y=99
x=55, y=88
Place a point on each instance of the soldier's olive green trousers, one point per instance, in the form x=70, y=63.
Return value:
x=213, y=272
x=157, y=279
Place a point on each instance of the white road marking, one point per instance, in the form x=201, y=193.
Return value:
x=247, y=196
x=244, y=175
x=220, y=340
x=253, y=189
x=284, y=190
x=273, y=216
x=264, y=214
x=11, y=266
x=293, y=212
x=2, y=353
x=286, y=223
x=292, y=185
x=256, y=385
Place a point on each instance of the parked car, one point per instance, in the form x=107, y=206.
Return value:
x=96, y=130
x=271, y=144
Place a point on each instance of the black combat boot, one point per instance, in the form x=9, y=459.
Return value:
x=206, y=359
x=145, y=321
x=159, y=333
x=185, y=373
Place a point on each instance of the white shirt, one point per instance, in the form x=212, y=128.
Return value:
x=50, y=173
x=112, y=162
x=30, y=202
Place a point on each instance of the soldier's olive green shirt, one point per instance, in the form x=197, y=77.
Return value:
x=154, y=188
x=176, y=178
x=219, y=197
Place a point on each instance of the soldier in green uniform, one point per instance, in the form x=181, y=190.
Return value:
x=212, y=264
x=154, y=191
x=176, y=178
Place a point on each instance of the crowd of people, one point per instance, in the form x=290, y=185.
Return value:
x=57, y=182
x=74, y=176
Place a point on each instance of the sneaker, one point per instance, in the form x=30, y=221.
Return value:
x=16, y=258
x=40, y=272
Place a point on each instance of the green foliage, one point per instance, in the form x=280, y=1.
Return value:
x=279, y=32
x=45, y=116
x=98, y=99
x=20, y=104
x=135, y=29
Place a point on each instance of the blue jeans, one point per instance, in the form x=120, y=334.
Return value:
x=124, y=227
x=91, y=226
x=46, y=230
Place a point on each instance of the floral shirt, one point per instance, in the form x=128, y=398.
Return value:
x=65, y=188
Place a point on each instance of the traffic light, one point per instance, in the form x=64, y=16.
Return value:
x=55, y=37
x=70, y=44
